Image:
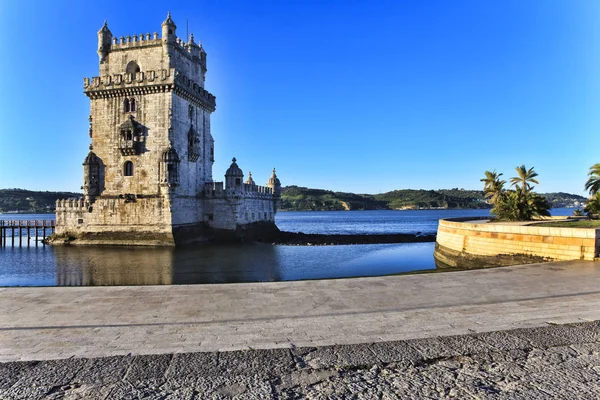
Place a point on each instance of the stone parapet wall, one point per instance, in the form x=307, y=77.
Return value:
x=460, y=238
x=216, y=189
x=115, y=221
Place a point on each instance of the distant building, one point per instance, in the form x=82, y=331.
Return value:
x=148, y=177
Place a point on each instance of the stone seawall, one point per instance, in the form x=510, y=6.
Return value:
x=469, y=243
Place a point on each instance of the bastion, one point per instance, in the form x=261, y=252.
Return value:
x=475, y=242
x=148, y=178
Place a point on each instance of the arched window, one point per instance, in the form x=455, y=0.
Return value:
x=129, y=105
x=128, y=168
x=191, y=111
x=132, y=68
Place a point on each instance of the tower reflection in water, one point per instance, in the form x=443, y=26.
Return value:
x=115, y=266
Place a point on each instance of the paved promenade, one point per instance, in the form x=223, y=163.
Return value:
x=63, y=322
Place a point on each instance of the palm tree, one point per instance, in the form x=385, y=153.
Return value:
x=492, y=186
x=593, y=205
x=524, y=178
x=593, y=183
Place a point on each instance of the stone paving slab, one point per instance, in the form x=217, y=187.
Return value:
x=465, y=367
x=63, y=322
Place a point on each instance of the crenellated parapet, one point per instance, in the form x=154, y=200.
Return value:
x=72, y=204
x=214, y=189
x=131, y=41
x=245, y=191
x=255, y=191
x=129, y=83
x=191, y=91
x=145, y=82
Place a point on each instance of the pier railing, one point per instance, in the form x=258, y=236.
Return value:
x=22, y=232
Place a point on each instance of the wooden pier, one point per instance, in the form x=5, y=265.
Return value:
x=22, y=232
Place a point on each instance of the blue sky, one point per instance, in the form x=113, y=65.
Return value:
x=359, y=96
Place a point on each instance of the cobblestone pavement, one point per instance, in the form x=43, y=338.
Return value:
x=554, y=361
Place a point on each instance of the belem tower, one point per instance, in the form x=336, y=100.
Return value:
x=147, y=179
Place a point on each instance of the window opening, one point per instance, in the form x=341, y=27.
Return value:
x=128, y=168
x=132, y=68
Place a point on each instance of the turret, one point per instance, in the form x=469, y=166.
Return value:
x=234, y=177
x=170, y=167
x=250, y=181
x=91, y=177
x=104, y=40
x=169, y=30
x=274, y=184
x=194, y=49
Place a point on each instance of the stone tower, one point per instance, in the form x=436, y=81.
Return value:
x=148, y=175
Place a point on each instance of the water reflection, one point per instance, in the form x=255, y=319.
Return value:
x=210, y=263
x=226, y=264
x=93, y=266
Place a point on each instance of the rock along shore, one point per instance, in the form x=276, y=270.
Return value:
x=313, y=239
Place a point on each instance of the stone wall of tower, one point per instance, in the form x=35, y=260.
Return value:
x=227, y=209
x=193, y=68
x=150, y=56
x=118, y=220
x=107, y=115
x=193, y=173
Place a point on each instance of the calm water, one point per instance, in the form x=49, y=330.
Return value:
x=50, y=266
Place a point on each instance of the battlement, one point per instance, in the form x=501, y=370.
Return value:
x=148, y=40
x=116, y=80
x=190, y=90
x=257, y=191
x=216, y=189
x=130, y=41
x=72, y=204
x=212, y=189
x=183, y=85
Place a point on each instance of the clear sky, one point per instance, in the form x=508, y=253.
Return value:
x=359, y=96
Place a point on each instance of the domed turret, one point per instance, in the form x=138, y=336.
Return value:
x=250, y=181
x=169, y=30
x=234, y=176
x=274, y=183
x=91, y=159
x=194, y=49
x=91, y=176
x=104, y=40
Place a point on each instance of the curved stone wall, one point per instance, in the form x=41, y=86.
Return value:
x=472, y=242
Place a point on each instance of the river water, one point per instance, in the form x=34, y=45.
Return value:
x=212, y=263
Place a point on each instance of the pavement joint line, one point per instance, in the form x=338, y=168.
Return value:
x=280, y=317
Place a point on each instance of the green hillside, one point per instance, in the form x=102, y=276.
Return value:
x=28, y=201
x=301, y=198
x=295, y=198
x=445, y=198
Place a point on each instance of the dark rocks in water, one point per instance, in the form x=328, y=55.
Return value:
x=315, y=239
